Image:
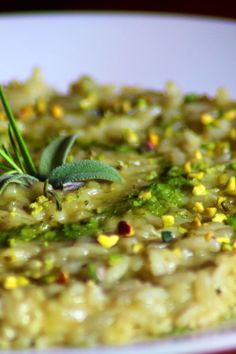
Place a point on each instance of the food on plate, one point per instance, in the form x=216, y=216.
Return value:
x=117, y=213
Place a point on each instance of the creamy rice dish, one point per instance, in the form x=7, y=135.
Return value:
x=111, y=262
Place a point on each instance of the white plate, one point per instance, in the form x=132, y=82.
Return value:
x=199, y=54
x=148, y=50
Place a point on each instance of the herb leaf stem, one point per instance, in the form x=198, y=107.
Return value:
x=30, y=167
x=9, y=160
x=18, y=166
x=5, y=168
x=15, y=149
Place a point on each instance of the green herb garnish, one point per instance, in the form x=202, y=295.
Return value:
x=232, y=165
x=232, y=221
x=75, y=230
x=36, y=232
x=164, y=197
x=92, y=272
x=191, y=97
x=18, y=167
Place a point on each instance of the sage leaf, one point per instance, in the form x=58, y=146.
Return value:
x=55, y=154
x=72, y=186
x=5, y=177
x=24, y=179
x=81, y=171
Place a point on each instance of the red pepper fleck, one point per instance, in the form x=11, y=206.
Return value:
x=150, y=146
x=153, y=141
x=63, y=278
x=125, y=229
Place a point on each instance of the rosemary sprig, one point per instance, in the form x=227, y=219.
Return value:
x=29, y=165
x=15, y=149
x=9, y=159
x=53, y=171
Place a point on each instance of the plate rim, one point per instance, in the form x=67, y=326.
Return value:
x=132, y=13
x=153, y=344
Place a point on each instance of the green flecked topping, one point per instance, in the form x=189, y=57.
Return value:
x=75, y=230
x=92, y=272
x=124, y=148
x=113, y=258
x=200, y=165
x=209, y=146
x=163, y=198
x=163, y=195
x=232, y=220
x=233, y=165
x=191, y=97
x=36, y=233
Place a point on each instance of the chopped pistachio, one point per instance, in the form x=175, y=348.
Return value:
x=57, y=111
x=219, y=217
x=107, y=241
x=168, y=220
x=207, y=118
x=138, y=247
x=198, y=207
x=211, y=212
x=200, y=190
x=167, y=236
x=231, y=186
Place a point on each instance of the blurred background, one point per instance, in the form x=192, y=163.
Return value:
x=198, y=54
x=226, y=8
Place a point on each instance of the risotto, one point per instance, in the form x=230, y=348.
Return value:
x=120, y=262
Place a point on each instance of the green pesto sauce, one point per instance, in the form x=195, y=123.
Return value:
x=233, y=165
x=168, y=193
x=164, y=197
x=191, y=97
x=232, y=221
x=67, y=232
